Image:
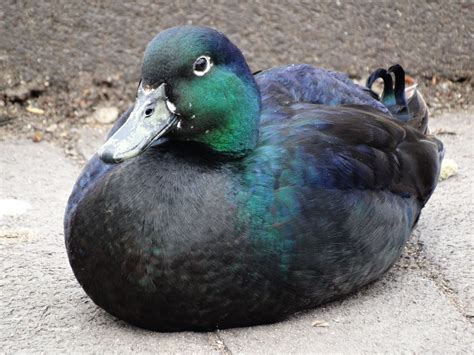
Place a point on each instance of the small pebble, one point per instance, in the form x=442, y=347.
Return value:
x=449, y=168
x=106, y=115
x=320, y=323
x=51, y=128
x=37, y=137
x=35, y=110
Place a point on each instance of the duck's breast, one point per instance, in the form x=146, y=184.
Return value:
x=162, y=231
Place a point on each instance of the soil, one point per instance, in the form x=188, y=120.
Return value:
x=61, y=61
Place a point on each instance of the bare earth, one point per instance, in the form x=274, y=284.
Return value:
x=425, y=303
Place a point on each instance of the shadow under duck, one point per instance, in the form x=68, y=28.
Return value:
x=225, y=199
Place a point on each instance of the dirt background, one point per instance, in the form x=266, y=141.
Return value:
x=62, y=40
x=67, y=58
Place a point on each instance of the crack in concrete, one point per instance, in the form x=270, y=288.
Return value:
x=216, y=341
x=431, y=270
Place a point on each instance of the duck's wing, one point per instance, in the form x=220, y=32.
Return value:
x=335, y=193
x=303, y=83
x=353, y=147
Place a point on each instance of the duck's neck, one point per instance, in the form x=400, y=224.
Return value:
x=238, y=134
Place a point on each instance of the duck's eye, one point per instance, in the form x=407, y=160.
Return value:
x=202, y=65
x=148, y=112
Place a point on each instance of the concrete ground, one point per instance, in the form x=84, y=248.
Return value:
x=425, y=303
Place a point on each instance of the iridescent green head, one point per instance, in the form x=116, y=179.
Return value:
x=195, y=86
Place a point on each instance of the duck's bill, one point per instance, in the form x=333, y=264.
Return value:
x=149, y=120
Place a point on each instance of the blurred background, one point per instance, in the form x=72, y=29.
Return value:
x=62, y=60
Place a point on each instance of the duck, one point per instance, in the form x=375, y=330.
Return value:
x=225, y=198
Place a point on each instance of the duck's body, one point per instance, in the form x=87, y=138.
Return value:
x=185, y=237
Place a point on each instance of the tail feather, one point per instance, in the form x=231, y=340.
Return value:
x=412, y=110
x=399, y=91
x=388, y=95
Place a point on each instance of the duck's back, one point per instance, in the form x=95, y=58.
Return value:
x=304, y=83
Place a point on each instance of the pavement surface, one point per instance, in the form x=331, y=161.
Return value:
x=424, y=304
